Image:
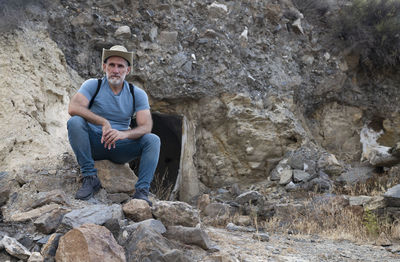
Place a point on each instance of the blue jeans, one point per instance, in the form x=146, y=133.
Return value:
x=87, y=146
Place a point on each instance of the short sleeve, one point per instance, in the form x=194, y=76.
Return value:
x=141, y=99
x=88, y=88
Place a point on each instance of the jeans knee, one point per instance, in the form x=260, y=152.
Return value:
x=152, y=140
x=76, y=122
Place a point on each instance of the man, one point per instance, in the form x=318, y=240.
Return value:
x=102, y=131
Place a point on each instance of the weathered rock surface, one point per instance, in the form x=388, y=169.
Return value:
x=392, y=196
x=190, y=236
x=116, y=178
x=137, y=210
x=89, y=242
x=14, y=248
x=175, y=213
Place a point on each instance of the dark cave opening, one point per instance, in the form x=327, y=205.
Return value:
x=169, y=129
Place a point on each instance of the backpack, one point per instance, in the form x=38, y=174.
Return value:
x=131, y=89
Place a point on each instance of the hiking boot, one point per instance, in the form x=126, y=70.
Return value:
x=90, y=185
x=142, y=193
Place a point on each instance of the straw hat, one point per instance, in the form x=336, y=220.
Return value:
x=118, y=50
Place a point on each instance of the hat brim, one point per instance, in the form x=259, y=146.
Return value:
x=128, y=56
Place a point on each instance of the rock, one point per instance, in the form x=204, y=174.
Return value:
x=277, y=172
x=6, y=187
x=153, y=34
x=118, y=198
x=359, y=200
x=153, y=224
x=36, y=257
x=249, y=197
x=167, y=37
x=297, y=26
x=243, y=220
x=56, y=196
x=217, y=10
x=261, y=236
x=233, y=227
x=137, y=210
x=320, y=184
x=14, y=248
x=123, y=32
x=146, y=244
x=203, y=202
x=50, y=247
x=377, y=202
x=190, y=235
x=218, y=210
x=300, y=176
x=291, y=187
x=286, y=177
x=330, y=165
x=49, y=222
x=175, y=213
x=392, y=196
x=116, y=178
x=32, y=214
x=89, y=242
x=95, y=214
x=356, y=174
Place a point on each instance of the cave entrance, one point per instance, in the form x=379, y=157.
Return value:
x=169, y=129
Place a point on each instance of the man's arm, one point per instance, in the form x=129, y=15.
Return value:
x=78, y=106
x=144, y=126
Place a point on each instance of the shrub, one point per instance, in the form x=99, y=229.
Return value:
x=373, y=28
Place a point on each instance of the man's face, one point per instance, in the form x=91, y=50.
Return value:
x=116, y=69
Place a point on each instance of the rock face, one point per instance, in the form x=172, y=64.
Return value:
x=34, y=96
x=89, y=243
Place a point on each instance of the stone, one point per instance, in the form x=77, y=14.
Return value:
x=89, y=242
x=50, y=247
x=190, y=236
x=249, y=197
x=36, y=257
x=356, y=174
x=175, y=213
x=243, y=220
x=286, y=177
x=123, y=32
x=32, y=214
x=116, y=178
x=359, y=200
x=153, y=34
x=14, y=248
x=217, y=10
x=233, y=227
x=392, y=196
x=167, y=37
x=329, y=164
x=55, y=196
x=137, y=210
x=49, y=222
x=118, y=198
x=377, y=202
x=278, y=170
x=95, y=214
x=203, y=201
x=291, y=187
x=261, y=237
x=297, y=26
x=217, y=210
x=153, y=224
x=300, y=176
x=145, y=244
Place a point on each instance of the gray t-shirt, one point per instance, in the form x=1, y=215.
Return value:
x=117, y=109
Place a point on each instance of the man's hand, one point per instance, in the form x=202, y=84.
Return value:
x=110, y=136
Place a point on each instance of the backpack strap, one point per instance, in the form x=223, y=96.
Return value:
x=95, y=94
x=132, y=89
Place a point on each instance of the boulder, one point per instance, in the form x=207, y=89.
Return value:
x=89, y=242
x=175, y=213
x=137, y=210
x=95, y=214
x=190, y=236
x=145, y=244
x=116, y=178
x=32, y=214
x=14, y=248
x=249, y=197
x=300, y=176
x=392, y=196
x=49, y=249
x=49, y=222
x=55, y=196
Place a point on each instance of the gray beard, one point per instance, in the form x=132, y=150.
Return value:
x=115, y=81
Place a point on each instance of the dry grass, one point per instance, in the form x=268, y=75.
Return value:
x=334, y=220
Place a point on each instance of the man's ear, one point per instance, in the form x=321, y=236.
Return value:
x=129, y=69
x=104, y=67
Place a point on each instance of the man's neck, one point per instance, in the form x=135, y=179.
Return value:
x=116, y=88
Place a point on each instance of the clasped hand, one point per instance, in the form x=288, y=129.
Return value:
x=110, y=136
